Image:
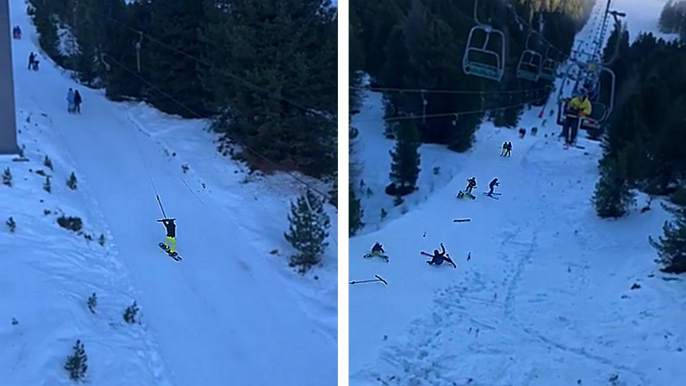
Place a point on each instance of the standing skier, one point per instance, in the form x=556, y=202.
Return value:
x=471, y=184
x=70, y=100
x=171, y=235
x=502, y=152
x=492, y=185
x=32, y=59
x=77, y=102
x=577, y=109
x=439, y=257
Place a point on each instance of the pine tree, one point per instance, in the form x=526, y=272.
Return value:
x=7, y=177
x=613, y=196
x=671, y=247
x=355, y=211
x=71, y=182
x=274, y=81
x=406, y=160
x=307, y=231
x=77, y=363
x=11, y=224
x=179, y=24
x=130, y=313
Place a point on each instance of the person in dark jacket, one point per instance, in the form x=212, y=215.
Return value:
x=439, y=257
x=471, y=184
x=77, y=102
x=492, y=185
x=32, y=59
x=378, y=248
x=170, y=225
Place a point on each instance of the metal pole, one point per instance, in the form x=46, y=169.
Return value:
x=8, y=121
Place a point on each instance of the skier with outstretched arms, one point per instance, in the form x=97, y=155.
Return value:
x=439, y=257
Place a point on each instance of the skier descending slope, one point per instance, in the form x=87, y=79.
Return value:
x=439, y=257
x=492, y=185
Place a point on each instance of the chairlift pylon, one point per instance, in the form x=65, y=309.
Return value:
x=480, y=60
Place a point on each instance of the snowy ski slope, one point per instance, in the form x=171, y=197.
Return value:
x=230, y=313
x=546, y=298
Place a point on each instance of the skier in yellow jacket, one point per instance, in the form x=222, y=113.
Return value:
x=577, y=108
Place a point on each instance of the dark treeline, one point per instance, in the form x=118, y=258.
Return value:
x=673, y=18
x=263, y=70
x=644, y=142
x=419, y=44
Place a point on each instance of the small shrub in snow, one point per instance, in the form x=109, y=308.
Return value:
x=77, y=363
x=46, y=212
x=14, y=321
x=72, y=223
x=383, y=213
x=46, y=185
x=130, y=313
x=7, y=177
x=71, y=182
x=101, y=240
x=307, y=231
x=92, y=302
x=41, y=172
x=671, y=246
x=47, y=162
x=397, y=201
x=11, y=224
x=437, y=170
x=184, y=168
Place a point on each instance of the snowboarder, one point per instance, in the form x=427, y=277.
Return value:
x=70, y=100
x=170, y=243
x=471, y=184
x=439, y=257
x=32, y=59
x=577, y=109
x=77, y=102
x=377, y=251
x=508, y=149
x=492, y=185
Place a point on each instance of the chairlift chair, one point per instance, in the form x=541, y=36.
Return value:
x=601, y=110
x=530, y=63
x=478, y=67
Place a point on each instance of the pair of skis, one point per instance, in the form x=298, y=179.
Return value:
x=372, y=254
x=377, y=278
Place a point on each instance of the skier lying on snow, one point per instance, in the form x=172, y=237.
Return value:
x=439, y=257
x=171, y=234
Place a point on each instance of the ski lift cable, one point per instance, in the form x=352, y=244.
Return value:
x=222, y=71
x=193, y=112
x=447, y=91
x=452, y=113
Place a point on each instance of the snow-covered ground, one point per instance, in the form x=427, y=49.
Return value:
x=231, y=312
x=546, y=298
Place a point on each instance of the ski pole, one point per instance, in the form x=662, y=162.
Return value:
x=378, y=278
x=160, y=202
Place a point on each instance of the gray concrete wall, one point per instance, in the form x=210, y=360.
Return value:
x=8, y=122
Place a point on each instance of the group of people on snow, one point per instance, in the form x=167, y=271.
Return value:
x=507, y=149
x=33, y=62
x=471, y=184
x=74, y=101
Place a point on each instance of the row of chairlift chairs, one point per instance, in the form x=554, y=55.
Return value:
x=481, y=61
